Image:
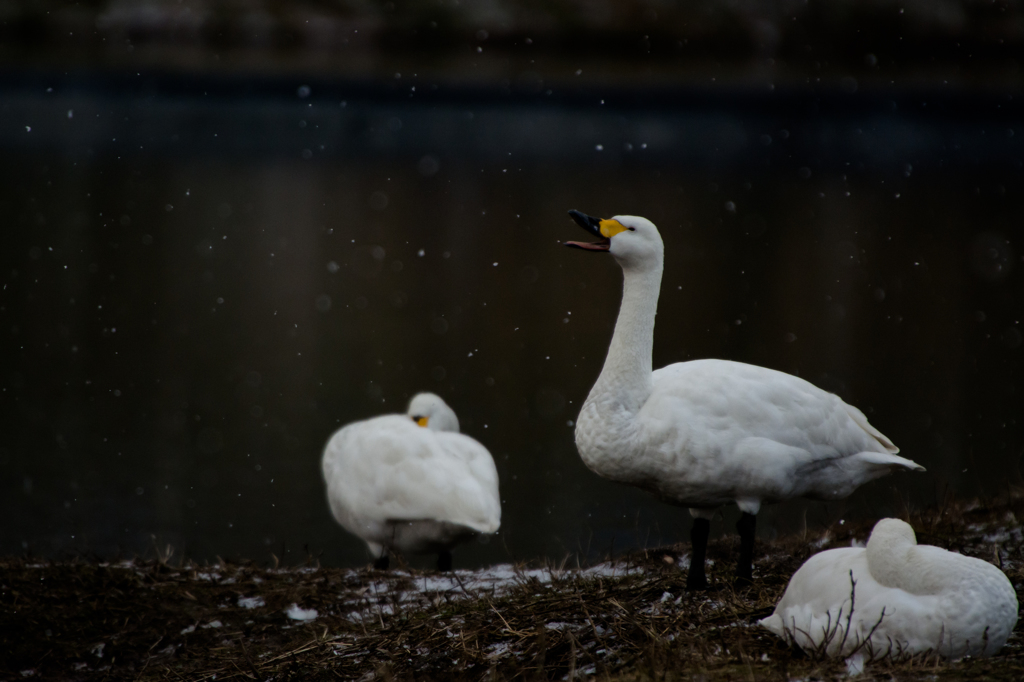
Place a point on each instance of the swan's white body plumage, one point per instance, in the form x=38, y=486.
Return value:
x=403, y=487
x=934, y=600
x=713, y=432
x=705, y=433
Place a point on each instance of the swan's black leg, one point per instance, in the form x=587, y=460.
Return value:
x=695, y=579
x=382, y=562
x=745, y=567
x=444, y=560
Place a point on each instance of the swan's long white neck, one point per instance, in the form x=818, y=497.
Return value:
x=626, y=374
x=896, y=560
x=605, y=431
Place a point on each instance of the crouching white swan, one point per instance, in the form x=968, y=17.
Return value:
x=412, y=483
x=706, y=433
x=896, y=598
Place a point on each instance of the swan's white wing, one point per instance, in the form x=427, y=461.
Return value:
x=977, y=605
x=862, y=421
x=730, y=401
x=960, y=606
x=809, y=608
x=390, y=469
x=476, y=478
x=734, y=430
x=815, y=611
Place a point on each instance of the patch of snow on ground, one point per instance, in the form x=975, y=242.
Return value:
x=383, y=596
x=251, y=602
x=498, y=649
x=502, y=577
x=296, y=612
x=213, y=624
x=559, y=625
x=357, y=616
x=610, y=570
x=436, y=584
x=585, y=671
x=496, y=579
x=1000, y=535
x=379, y=587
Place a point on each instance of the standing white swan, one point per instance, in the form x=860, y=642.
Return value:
x=706, y=433
x=896, y=598
x=412, y=483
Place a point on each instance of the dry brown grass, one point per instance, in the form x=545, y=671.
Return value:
x=153, y=618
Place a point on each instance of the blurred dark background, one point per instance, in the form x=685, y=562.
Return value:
x=232, y=227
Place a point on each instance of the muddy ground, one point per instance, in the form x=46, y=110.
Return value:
x=627, y=619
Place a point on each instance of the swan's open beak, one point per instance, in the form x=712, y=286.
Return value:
x=593, y=226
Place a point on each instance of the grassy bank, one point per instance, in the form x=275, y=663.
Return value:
x=626, y=619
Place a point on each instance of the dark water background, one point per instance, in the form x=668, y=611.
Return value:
x=201, y=281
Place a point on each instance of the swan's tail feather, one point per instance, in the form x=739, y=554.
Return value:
x=885, y=459
x=774, y=624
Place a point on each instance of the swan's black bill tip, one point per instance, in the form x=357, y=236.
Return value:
x=587, y=222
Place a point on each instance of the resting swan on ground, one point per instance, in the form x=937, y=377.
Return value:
x=933, y=601
x=706, y=433
x=412, y=483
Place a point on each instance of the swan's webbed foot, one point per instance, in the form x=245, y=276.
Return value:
x=696, y=578
x=444, y=560
x=745, y=567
